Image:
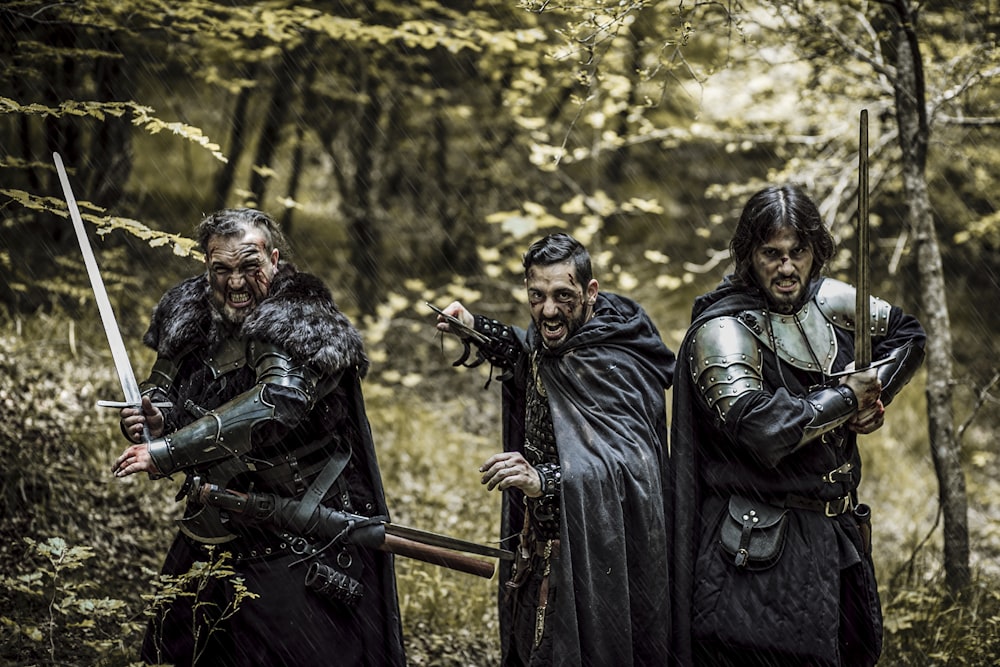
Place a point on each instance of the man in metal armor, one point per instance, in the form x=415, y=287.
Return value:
x=583, y=467
x=258, y=374
x=772, y=551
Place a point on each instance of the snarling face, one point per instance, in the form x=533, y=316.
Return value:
x=240, y=270
x=559, y=303
x=783, y=265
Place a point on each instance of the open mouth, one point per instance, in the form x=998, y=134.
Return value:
x=787, y=285
x=239, y=299
x=553, y=329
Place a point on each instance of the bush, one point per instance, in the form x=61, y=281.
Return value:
x=81, y=547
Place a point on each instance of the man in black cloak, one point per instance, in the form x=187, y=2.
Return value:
x=262, y=374
x=583, y=469
x=771, y=552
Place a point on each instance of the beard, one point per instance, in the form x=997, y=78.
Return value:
x=567, y=326
x=226, y=325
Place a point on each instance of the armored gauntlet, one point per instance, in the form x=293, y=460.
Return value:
x=227, y=430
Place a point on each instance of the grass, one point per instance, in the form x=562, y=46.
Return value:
x=433, y=427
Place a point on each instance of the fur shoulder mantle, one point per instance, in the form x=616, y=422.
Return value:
x=299, y=314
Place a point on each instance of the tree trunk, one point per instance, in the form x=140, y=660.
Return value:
x=362, y=229
x=913, y=137
x=270, y=133
x=298, y=147
x=111, y=162
x=237, y=143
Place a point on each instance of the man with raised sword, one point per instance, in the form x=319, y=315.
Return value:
x=772, y=558
x=262, y=373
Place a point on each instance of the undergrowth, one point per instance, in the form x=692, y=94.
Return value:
x=80, y=550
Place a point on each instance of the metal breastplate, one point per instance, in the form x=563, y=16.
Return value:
x=540, y=447
x=805, y=339
x=230, y=355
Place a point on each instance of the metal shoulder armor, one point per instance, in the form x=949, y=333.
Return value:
x=835, y=300
x=725, y=362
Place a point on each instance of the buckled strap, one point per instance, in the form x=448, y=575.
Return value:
x=831, y=508
x=750, y=520
x=844, y=473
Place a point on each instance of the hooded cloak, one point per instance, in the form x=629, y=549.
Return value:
x=605, y=387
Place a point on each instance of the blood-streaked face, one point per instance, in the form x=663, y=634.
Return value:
x=783, y=265
x=559, y=304
x=240, y=270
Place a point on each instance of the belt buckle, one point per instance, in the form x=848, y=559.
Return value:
x=838, y=506
x=834, y=475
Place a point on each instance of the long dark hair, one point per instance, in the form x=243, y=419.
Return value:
x=556, y=248
x=772, y=209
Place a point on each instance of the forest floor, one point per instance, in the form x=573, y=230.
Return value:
x=433, y=426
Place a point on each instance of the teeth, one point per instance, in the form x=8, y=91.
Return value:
x=239, y=297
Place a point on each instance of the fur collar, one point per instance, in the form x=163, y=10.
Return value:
x=299, y=314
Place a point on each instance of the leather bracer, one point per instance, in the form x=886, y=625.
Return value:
x=502, y=348
x=896, y=373
x=161, y=380
x=833, y=406
x=227, y=430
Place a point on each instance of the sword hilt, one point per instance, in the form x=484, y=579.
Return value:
x=118, y=405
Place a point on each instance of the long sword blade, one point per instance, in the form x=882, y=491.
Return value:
x=862, y=309
x=118, y=351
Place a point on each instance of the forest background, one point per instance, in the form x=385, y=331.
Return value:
x=412, y=151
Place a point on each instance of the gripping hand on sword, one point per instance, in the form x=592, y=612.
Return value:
x=867, y=389
x=136, y=424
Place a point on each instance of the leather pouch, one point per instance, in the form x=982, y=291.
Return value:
x=753, y=533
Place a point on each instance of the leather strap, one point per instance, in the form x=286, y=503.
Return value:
x=743, y=553
x=830, y=508
x=317, y=490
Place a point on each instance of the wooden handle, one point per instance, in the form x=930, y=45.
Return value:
x=437, y=556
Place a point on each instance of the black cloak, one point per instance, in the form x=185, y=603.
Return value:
x=606, y=389
x=771, y=606
x=300, y=315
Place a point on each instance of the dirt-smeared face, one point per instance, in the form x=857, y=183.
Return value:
x=559, y=304
x=240, y=270
x=783, y=265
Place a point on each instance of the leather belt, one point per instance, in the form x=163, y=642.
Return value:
x=263, y=546
x=831, y=508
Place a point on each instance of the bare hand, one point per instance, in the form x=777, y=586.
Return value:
x=459, y=312
x=866, y=387
x=135, y=459
x=868, y=421
x=511, y=470
x=133, y=419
